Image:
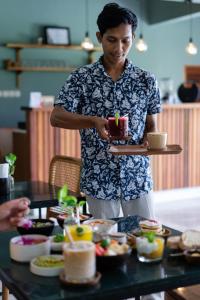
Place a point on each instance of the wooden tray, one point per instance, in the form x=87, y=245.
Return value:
x=138, y=150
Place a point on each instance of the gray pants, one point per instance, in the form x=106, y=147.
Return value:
x=103, y=209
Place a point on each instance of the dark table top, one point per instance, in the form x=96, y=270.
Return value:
x=41, y=194
x=132, y=279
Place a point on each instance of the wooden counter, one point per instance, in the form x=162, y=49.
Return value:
x=171, y=171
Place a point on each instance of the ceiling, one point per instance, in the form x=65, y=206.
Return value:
x=158, y=11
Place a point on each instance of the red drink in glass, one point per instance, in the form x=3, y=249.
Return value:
x=119, y=130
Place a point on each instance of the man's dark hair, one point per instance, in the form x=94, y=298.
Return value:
x=113, y=15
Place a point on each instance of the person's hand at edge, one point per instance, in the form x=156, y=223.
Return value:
x=101, y=125
x=12, y=212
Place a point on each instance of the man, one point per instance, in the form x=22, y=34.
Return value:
x=94, y=92
x=12, y=212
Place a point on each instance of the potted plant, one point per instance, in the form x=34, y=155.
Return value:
x=70, y=205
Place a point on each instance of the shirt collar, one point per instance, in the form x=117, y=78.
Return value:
x=126, y=72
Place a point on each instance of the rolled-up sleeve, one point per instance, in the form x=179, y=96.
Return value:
x=70, y=95
x=154, y=103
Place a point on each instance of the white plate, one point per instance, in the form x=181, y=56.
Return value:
x=46, y=271
x=55, y=246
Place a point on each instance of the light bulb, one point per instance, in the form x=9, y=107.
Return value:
x=191, y=48
x=87, y=44
x=141, y=45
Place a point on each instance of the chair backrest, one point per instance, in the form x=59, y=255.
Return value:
x=65, y=170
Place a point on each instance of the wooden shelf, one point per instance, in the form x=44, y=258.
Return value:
x=11, y=66
x=45, y=46
x=16, y=66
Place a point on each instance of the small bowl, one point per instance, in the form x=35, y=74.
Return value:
x=102, y=226
x=49, y=271
x=25, y=252
x=121, y=237
x=55, y=246
x=112, y=261
x=83, y=218
x=46, y=230
x=192, y=256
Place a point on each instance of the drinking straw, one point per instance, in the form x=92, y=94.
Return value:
x=69, y=236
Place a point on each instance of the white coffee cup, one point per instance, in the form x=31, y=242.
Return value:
x=157, y=140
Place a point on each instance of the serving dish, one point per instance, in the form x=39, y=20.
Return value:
x=62, y=217
x=24, y=248
x=36, y=226
x=192, y=256
x=165, y=232
x=47, y=265
x=112, y=261
x=139, y=150
x=102, y=226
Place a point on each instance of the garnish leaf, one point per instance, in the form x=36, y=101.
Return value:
x=149, y=235
x=62, y=193
x=79, y=231
x=81, y=203
x=116, y=118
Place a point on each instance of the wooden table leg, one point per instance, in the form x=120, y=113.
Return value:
x=5, y=292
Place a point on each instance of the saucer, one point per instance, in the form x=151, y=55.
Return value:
x=87, y=282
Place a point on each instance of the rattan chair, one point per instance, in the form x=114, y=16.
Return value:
x=65, y=170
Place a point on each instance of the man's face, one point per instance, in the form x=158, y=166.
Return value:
x=116, y=42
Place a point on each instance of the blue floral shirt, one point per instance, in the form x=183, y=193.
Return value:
x=91, y=91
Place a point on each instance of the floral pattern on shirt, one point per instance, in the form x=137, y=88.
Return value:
x=91, y=91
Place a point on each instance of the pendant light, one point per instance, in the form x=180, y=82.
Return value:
x=141, y=45
x=87, y=44
x=191, y=48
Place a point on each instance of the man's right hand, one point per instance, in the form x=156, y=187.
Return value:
x=101, y=125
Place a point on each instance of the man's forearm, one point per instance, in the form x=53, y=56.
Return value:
x=150, y=126
x=64, y=119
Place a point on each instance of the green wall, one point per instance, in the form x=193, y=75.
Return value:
x=23, y=20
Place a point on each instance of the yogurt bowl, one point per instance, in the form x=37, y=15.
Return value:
x=26, y=247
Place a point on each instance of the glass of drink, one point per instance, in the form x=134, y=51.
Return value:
x=79, y=261
x=79, y=233
x=118, y=128
x=157, y=140
x=149, y=251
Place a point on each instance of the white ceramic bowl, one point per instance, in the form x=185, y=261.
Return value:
x=24, y=253
x=55, y=246
x=47, y=270
x=102, y=226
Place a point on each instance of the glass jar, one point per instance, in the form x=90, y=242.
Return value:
x=149, y=251
x=11, y=183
